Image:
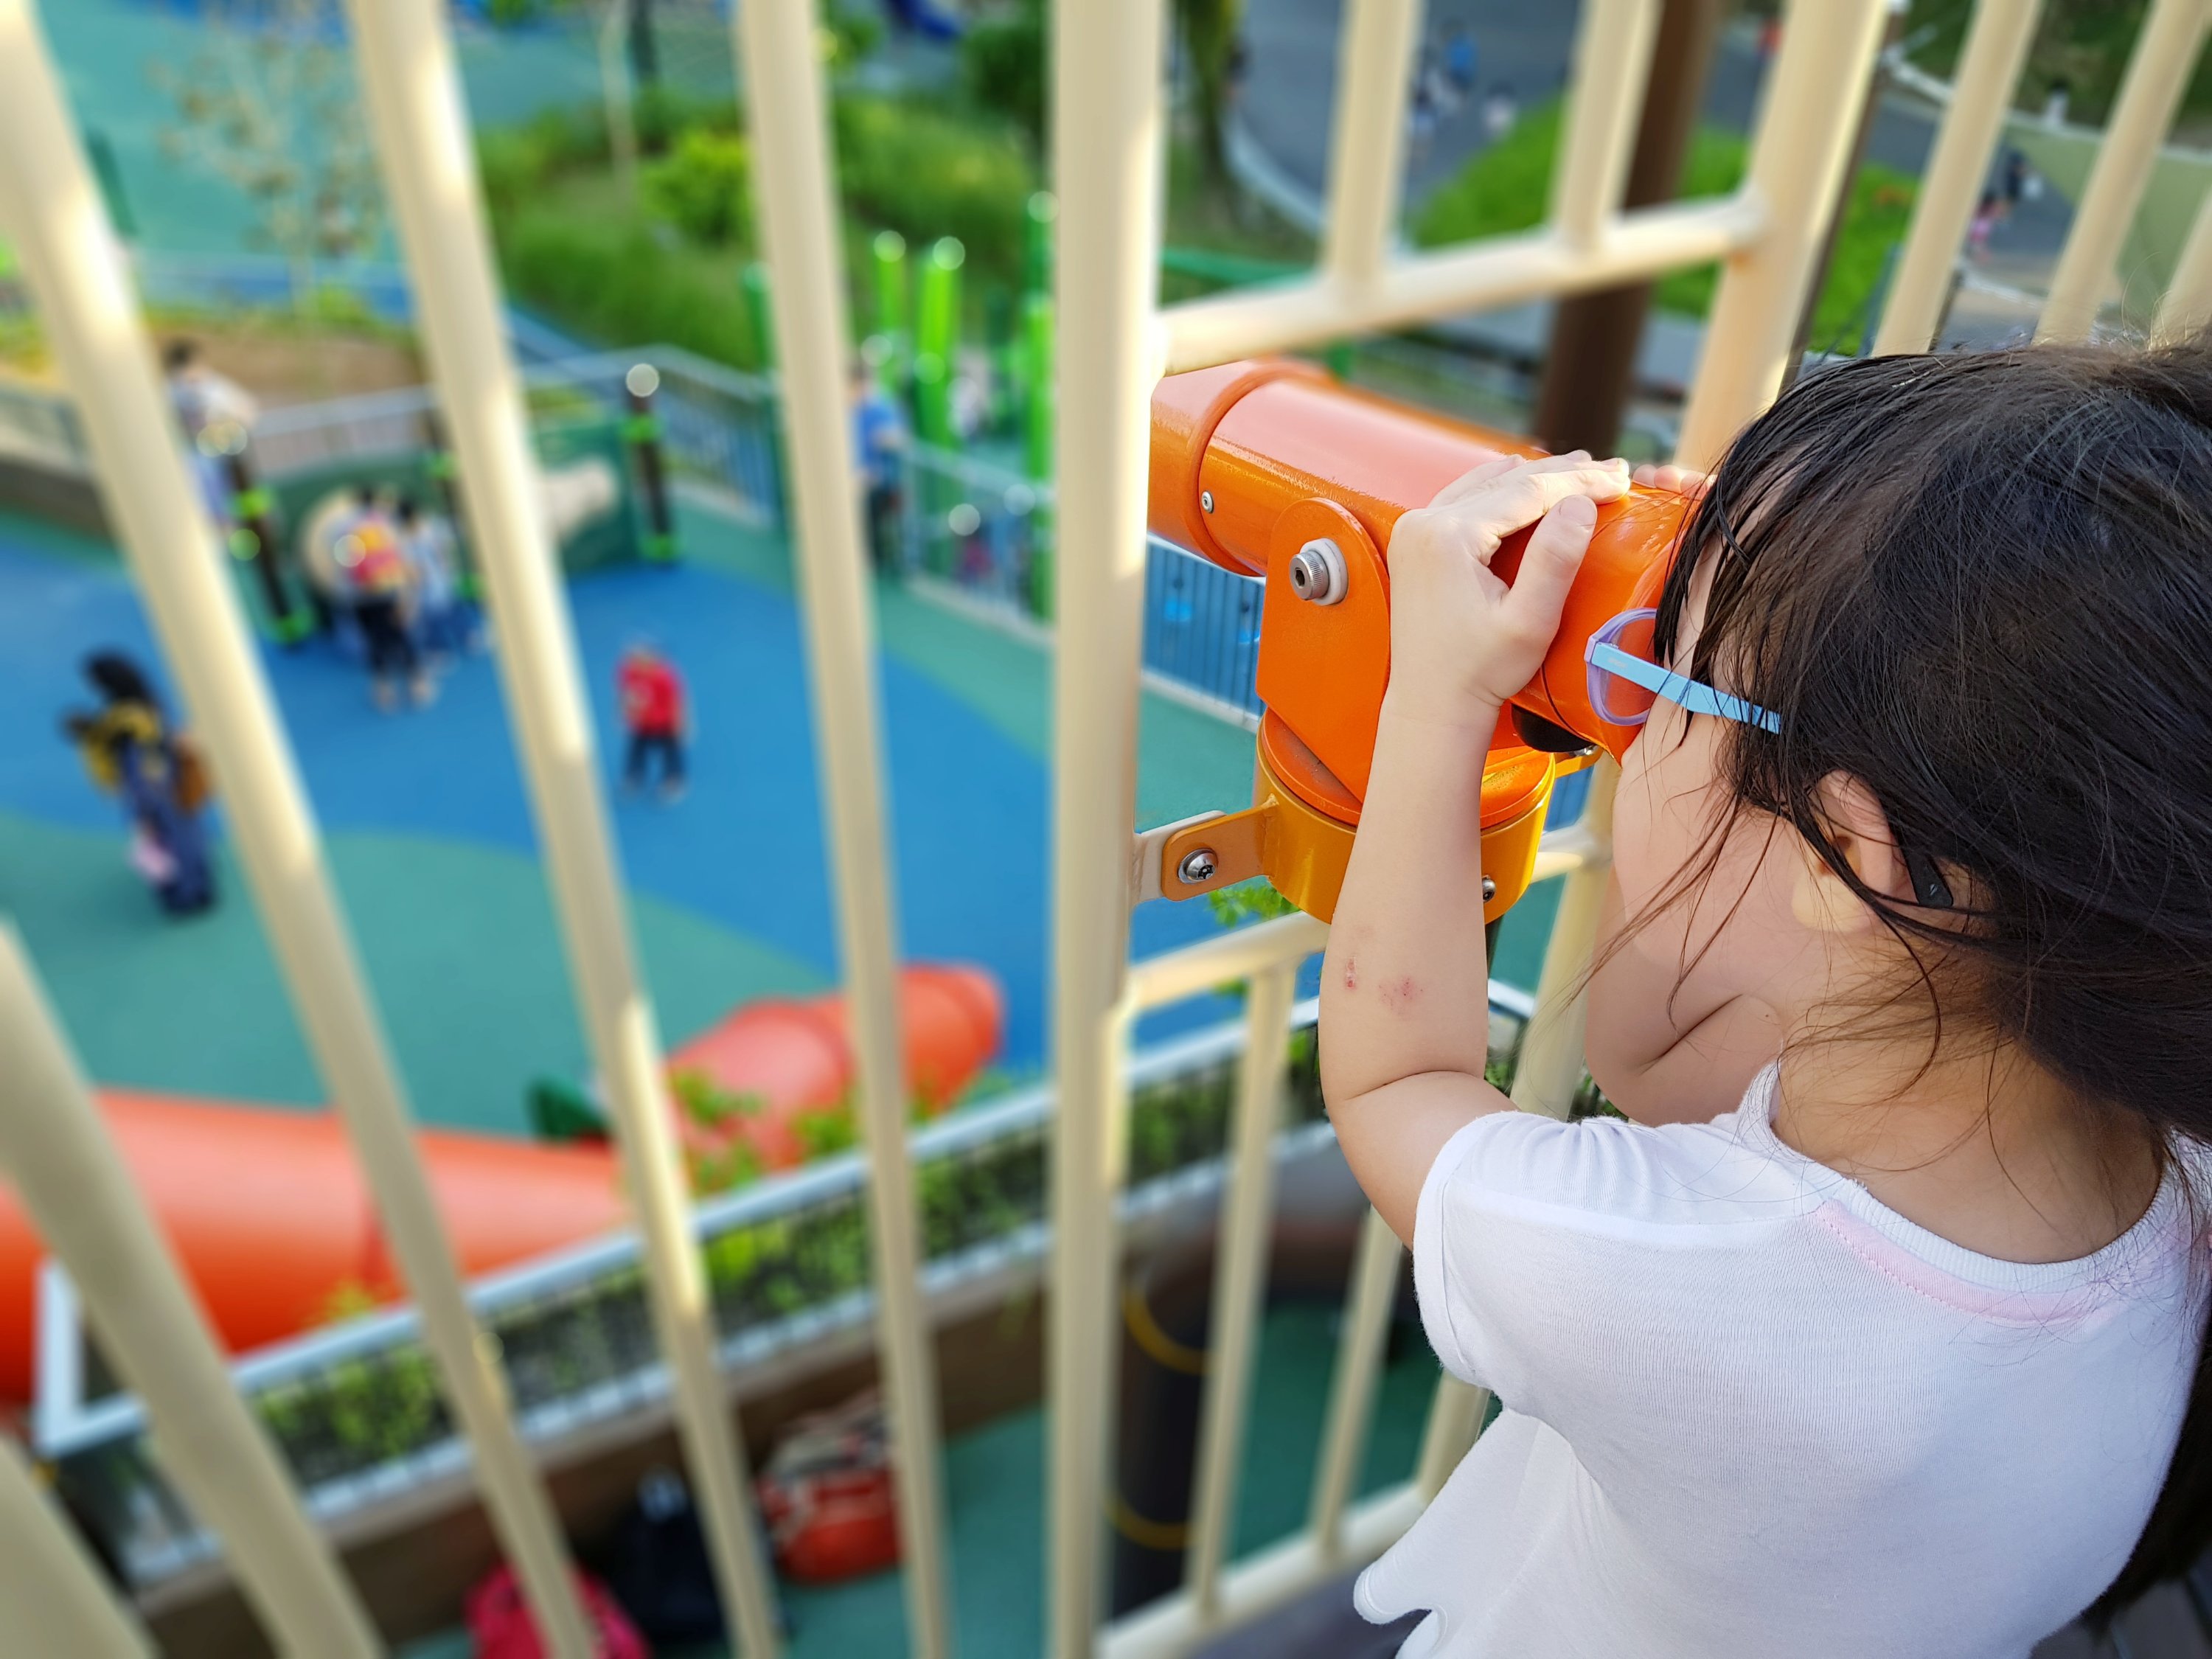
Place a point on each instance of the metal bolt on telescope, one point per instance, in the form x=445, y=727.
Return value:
x=1271, y=468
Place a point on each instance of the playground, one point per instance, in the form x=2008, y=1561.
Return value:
x=430, y=832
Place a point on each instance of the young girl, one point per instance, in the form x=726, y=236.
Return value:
x=1874, y=1332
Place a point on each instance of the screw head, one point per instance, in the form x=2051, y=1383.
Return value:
x=1198, y=865
x=1489, y=890
x=1318, y=572
x=1205, y=500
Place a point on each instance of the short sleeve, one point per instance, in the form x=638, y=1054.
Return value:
x=1546, y=1253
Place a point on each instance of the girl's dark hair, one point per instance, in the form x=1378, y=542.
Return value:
x=1982, y=584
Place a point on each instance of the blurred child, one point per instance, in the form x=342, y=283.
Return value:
x=445, y=620
x=1987, y=213
x=130, y=752
x=655, y=717
x=383, y=589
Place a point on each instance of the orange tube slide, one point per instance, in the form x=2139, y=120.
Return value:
x=269, y=1217
x=792, y=1057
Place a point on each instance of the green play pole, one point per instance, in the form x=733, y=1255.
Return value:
x=1036, y=440
x=889, y=250
x=937, y=341
x=754, y=282
x=1042, y=210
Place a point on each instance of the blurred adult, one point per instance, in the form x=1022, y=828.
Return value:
x=216, y=415
x=131, y=753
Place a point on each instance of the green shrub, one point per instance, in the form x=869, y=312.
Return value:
x=1002, y=67
x=611, y=278
x=703, y=187
x=926, y=173
x=1507, y=188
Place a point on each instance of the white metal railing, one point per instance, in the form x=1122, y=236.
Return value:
x=1109, y=126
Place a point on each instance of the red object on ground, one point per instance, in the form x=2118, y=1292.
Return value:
x=501, y=1626
x=652, y=694
x=269, y=1217
x=827, y=1495
x=794, y=1056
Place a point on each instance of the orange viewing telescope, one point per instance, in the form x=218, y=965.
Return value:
x=1271, y=468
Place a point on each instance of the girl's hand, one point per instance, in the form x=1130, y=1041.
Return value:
x=1462, y=641
x=1678, y=479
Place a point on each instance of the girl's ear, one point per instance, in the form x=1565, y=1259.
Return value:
x=1860, y=830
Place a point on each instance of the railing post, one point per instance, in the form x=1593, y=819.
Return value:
x=413, y=94
x=1367, y=1310
x=70, y=1179
x=1981, y=96
x=47, y=201
x=798, y=201
x=1106, y=137
x=1367, y=140
x=52, y=1598
x=2187, y=304
x=1806, y=127
x=1612, y=61
x=1550, y=1064
x=2157, y=74
x=1240, y=1278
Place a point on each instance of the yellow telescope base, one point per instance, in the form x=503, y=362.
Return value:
x=1304, y=851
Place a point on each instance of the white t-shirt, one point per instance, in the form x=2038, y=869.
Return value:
x=1753, y=1413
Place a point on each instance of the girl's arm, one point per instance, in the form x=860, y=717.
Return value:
x=1406, y=985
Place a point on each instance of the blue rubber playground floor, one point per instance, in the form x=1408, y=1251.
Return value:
x=430, y=831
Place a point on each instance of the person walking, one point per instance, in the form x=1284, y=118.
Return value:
x=654, y=717
x=130, y=753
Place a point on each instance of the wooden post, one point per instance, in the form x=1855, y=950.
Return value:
x=1590, y=367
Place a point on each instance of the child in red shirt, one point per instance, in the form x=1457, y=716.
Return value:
x=654, y=713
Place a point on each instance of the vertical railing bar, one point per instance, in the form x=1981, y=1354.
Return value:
x=1106, y=145
x=1367, y=139
x=86, y=303
x=413, y=94
x=1550, y=1064
x=1807, y=124
x=1369, y=1301
x=1605, y=100
x=786, y=113
x=2187, y=304
x=2157, y=74
x=1456, y=1414
x=1981, y=95
x=53, y=1599
x=1240, y=1278
x=70, y=1176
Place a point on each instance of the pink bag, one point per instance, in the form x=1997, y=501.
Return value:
x=500, y=1621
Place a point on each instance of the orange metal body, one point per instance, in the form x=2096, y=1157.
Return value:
x=1252, y=461
x=269, y=1217
x=1269, y=441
